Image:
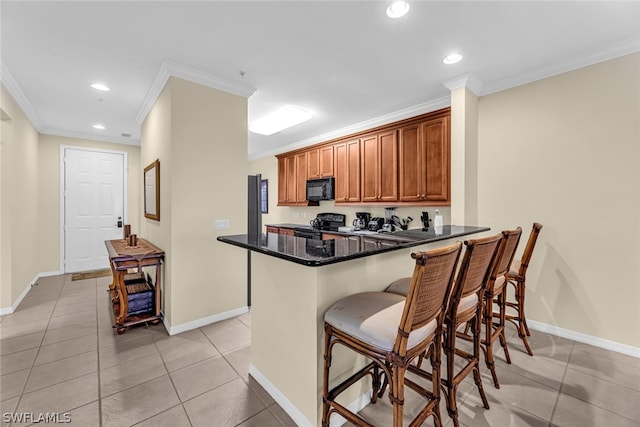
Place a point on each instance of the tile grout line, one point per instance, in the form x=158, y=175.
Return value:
x=564, y=374
x=598, y=378
x=98, y=356
x=175, y=389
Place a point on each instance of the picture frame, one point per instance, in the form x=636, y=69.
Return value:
x=151, y=179
x=264, y=196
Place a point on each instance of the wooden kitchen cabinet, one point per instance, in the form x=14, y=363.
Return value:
x=405, y=163
x=292, y=180
x=301, y=178
x=379, y=167
x=286, y=231
x=280, y=230
x=329, y=236
x=424, y=166
x=347, y=171
x=320, y=162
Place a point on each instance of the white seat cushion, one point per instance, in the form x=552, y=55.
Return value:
x=400, y=286
x=467, y=302
x=374, y=317
x=499, y=284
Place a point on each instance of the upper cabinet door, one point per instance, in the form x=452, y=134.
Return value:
x=370, y=172
x=347, y=171
x=437, y=146
x=379, y=162
x=326, y=161
x=313, y=163
x=411, y=164
x=301, y=177
x=388, y=153
x=424, y=161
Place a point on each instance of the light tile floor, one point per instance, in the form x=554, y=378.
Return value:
x=59, y=353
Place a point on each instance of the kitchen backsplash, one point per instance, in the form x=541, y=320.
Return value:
x=303, y=215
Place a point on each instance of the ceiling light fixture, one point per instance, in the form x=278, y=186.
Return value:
x=100, y=86
x=280, y=119
x=452, y=58
x=397, y=9
x=99, y=126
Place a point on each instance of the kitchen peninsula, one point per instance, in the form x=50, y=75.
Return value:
x=295, y=280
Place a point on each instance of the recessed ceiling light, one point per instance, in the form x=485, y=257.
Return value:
x=397, y=9
x=452, y=58
x=98, y=126
x=100, y=86
x=280, y=119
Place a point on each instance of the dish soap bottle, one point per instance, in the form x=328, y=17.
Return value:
x=438, y=222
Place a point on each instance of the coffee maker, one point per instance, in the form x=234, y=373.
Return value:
x=425, y=221
x=362, y=220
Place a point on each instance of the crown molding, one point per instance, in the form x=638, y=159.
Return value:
x=613, y=51
x=90, y=136
x=468, y=80
x=18, y=95
x=395, y=116
x=174, y=69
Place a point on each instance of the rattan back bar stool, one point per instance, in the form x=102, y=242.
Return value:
x=496, y=291
x=391, y=331
x=464, y=307
x=517, y=278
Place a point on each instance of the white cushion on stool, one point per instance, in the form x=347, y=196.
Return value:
x=374, y=317
x=400, y=286
x=467, y=302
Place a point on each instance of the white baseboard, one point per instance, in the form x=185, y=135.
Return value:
x=194, y=324
x=298, y=417
x=13, y=308
x=584, y=338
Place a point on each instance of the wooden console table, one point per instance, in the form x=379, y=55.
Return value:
x=122, y=258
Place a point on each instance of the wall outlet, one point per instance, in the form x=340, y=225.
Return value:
x=221, y=224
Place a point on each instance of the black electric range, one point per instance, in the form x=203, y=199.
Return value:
x=322, y=222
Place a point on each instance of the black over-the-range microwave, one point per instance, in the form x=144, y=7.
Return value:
x=320, y=189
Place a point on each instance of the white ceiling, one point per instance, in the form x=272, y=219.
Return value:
x=345, y=61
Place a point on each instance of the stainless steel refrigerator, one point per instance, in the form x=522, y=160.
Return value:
x=254, y=222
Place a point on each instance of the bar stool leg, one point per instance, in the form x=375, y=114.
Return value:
x=397, y=393
x=451, y=385
x=325, y=384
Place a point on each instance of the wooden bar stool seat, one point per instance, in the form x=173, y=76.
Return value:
x=391, y=331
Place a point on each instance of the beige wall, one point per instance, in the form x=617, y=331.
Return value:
x=19, y=207
x=49, y=192
x=200, y=135
x=564, y=151
x=156, y=144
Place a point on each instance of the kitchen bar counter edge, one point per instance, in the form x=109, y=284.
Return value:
x=296, y=249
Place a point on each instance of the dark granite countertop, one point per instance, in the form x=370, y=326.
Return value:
x=315, y=253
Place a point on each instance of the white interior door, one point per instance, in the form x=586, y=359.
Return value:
x=93, y=205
